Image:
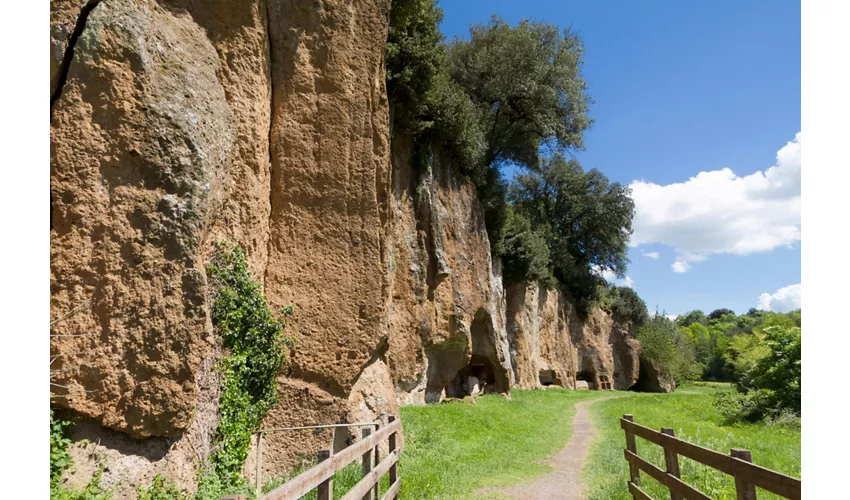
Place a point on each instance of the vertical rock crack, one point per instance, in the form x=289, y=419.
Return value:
x=68, y=56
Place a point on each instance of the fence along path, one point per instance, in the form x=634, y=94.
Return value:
x=737, y=464
x=321, y=475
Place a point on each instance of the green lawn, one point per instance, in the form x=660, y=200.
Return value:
x=691, y=412
x=453, y=449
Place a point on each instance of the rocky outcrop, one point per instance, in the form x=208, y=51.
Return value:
x=177, y=123
x=542, y=350
x=552, y=345
x=446, y=315
x=330, y=189
x=141, y=146
x=608, y=354
x=652, y=379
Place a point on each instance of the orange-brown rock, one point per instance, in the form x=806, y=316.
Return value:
x=542, y=349
x=608, y=354
x=141, y=143
x=447, y=312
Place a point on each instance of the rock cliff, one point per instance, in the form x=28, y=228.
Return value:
x=179, y=123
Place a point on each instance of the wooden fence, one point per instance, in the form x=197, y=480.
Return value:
x=737, y=464
x=368, y=488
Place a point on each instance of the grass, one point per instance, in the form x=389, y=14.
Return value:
x=453, y=449
x=344, y=480
x=693, y=415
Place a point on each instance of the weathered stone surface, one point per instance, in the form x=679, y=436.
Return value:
x=330, y=186
x=607, y=352
x=64, y=16
x=542, y=350
x=652, y=380
x=447, y=311
x=141, y=140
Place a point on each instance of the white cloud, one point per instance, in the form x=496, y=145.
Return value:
x=680, y=266
x=651, y=255
x=671, y=317
x=784, y=300
x=610, y=277
x=719, y=212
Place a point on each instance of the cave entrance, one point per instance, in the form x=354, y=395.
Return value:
x=492, y=377
x=479, y=367
x=587, y=372
x=549, y=377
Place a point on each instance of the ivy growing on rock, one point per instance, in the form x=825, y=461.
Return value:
x=255, y=352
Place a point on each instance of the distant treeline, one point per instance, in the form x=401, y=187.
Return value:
x=760, y=352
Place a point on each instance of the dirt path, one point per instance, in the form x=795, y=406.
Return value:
x=565, y=481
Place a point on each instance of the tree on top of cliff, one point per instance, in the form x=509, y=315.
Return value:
x=414, y=57
x=525, y=254
x=527, y=86
x=586, y=220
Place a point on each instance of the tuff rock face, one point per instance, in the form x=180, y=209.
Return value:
x=446, y=313
x=608, y=354
x=179, y=123
x=542, y=348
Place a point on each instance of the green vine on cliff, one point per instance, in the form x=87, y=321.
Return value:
x=255, y=352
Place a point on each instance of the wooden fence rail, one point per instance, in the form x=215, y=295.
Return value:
x=737, y=464
x=321, y=475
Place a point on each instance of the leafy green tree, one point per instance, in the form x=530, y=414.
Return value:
x=525, y=255
x=586, y=219
x=778, y=374
x=669, y=351
x=526, y=83
x=414, y=57
x=695, y=316
x=741, y=355
x=720, y=313
x=768, y=372
x=746, y=323
x=626, y=303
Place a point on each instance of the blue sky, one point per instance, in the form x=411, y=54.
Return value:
x=680, y=88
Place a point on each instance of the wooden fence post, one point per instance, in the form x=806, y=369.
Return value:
x=259, y=478
x=671, y=459
x=367, y=462
x=393, y=467
x=634, y=471
x=745, y=491
x=326, y=488
x=377, y=493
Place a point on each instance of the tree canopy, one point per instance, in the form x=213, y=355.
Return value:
x=527, y=86
x=585, y=219
x=513, y=95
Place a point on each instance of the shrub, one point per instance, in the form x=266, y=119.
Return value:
x=414, y=56
x=160, y=489
x=60, y=457
x=768, y=371
x=255, y=349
